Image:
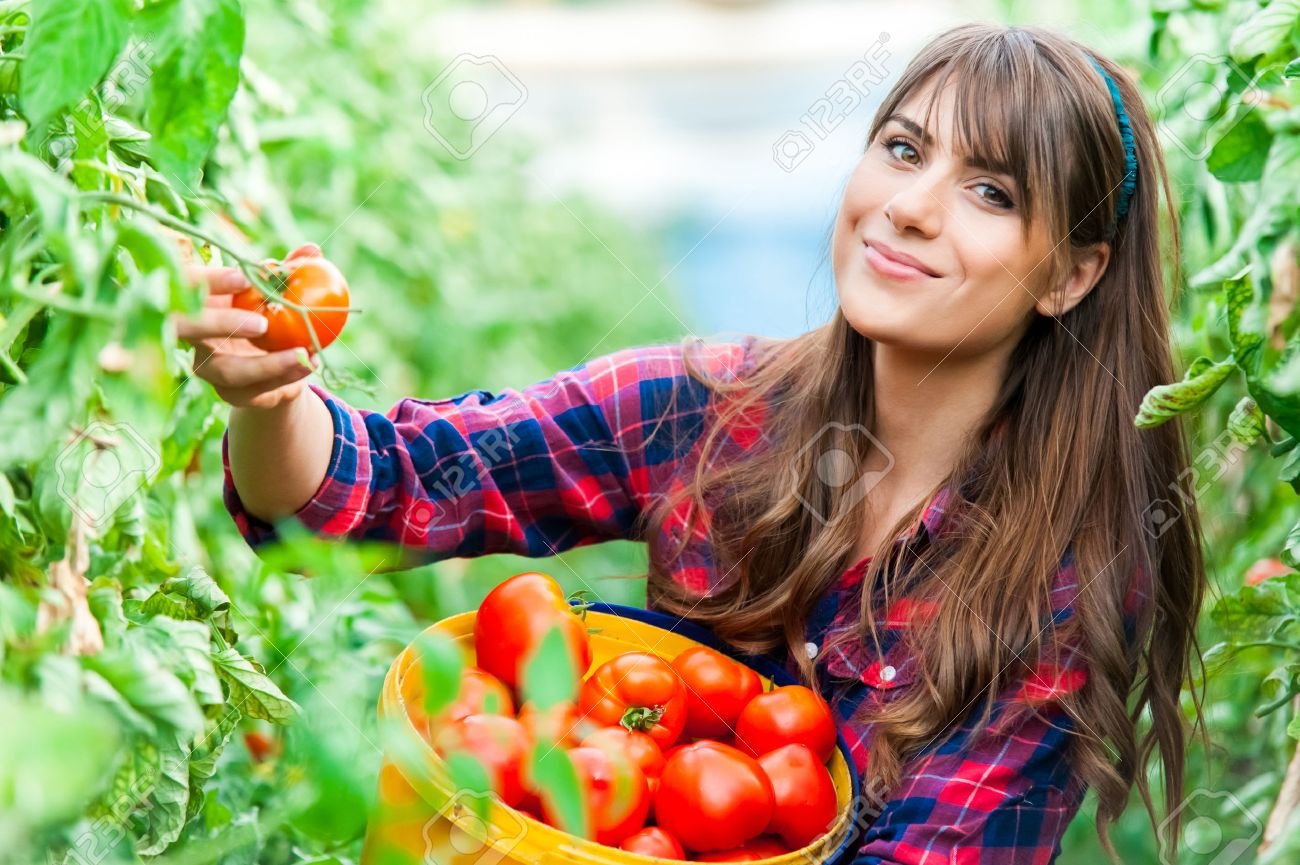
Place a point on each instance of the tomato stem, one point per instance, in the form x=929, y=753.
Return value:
x=639, y=719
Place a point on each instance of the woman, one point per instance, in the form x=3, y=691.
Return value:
x=936, y=507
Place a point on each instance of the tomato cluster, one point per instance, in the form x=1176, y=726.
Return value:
x=687, y=758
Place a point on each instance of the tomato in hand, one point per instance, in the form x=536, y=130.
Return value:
x=516, y=616
x=643, y=750
x=717, y=689
x=713, y=797
x=639, y=691
x=791, y=714
x=805, y=795
x=313, y=282
x=614, y=792
x=760, y=848
x=654, y=841
x=501, y=744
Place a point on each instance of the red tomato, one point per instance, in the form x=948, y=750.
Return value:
x=313, y=282
x=641, y=692
x=260, y=746
x=501, y=744
x=516, y=616
x=717, y=689
x=805, y=795
x=560, y=724
x=791, y=714
x=759, y=848
x=643, y=750
x=1265, y=569
x=614, y=791
x=713, y=797
x=480, y=694
x=652, y=782
x=654, y=841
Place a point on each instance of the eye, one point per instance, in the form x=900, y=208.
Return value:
x=892, y=142
x=1001, y=201
x=1005, y=204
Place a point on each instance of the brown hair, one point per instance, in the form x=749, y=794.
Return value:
x=1066, y=469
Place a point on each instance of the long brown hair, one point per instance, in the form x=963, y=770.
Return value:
x=1056, y=464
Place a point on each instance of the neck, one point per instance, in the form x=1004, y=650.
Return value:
x=926, y=409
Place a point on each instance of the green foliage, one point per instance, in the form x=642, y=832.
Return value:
x=143, y=647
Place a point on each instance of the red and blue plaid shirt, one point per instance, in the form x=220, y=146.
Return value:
x=570, y=461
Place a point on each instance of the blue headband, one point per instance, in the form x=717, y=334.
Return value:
x=1129, y=183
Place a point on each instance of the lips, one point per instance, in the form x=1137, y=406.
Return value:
x=892, y=262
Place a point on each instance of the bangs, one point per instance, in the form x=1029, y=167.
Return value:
x=1010, y=105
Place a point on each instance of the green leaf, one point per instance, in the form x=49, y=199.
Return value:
x=198, y=44
x=252, y=691
x=548, y=676
x=1169, y=400
x=472, y=783
x=1245, y=324
x=189, y=645
x=1241, y=154
x=1292, y=70
x=149, y=687
x=168, y=801
x=44, y=781
x=560, y=788
x=1257, y=612
x=1246, y=422
x=69, y=47
x=1264, y=31
x=441, y=661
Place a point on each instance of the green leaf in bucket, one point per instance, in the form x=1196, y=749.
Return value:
x=557, y=781
x=473, y=784
x=441, y=661
x=548, y=675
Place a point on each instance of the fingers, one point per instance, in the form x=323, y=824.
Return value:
x=244, y=376
x=220, y=280
x=220, y=323
x=307, y=250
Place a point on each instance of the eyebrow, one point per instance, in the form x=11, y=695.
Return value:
x=926, y=139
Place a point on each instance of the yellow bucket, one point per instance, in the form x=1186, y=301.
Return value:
x=420, y=817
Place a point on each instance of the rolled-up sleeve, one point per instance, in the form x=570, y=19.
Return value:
x=569, y=460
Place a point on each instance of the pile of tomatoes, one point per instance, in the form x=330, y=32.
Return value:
x=687, y=758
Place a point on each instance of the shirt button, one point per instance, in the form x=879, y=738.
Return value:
x=810, y=649
x=888, y=673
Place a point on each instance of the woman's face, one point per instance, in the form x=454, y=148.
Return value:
x=979, y=281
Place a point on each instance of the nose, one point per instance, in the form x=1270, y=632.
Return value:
x=916, y=204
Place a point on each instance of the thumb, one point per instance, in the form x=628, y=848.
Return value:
x=307, y=250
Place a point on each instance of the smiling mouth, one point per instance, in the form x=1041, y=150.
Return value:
x=891, y=268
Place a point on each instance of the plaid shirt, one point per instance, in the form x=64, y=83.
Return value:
x=570, y=461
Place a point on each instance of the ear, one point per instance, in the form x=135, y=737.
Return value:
x=1089, y=263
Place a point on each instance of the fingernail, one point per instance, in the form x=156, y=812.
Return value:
x=256, y=323
x=300, y=355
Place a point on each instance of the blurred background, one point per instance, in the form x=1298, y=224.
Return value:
x=515, y=188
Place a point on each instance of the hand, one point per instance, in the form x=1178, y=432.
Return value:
x=241, y=373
